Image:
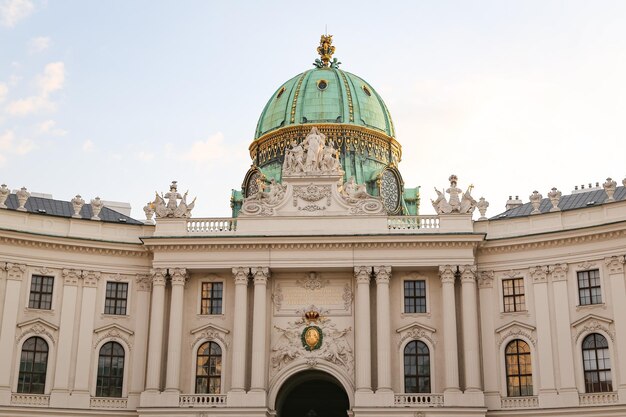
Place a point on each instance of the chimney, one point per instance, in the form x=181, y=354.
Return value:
x=511, y=204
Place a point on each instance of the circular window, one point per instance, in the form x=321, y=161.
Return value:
x=390, y=191
x=367, y=90
x=252, y=187
x=322, y=84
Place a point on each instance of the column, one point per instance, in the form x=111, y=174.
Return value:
x=547, y=391
x=66, y=335
x=362, y=329
x=155, y=346
x=85, y=335
x=259, y=329
x=383, y=327
x=15, y=275
x=240, y=322
x=143, y=284
x=175, y=335
x=488, y=310
x=615, y=266
x=558, y=274
x=451, y=359
x=470, y=328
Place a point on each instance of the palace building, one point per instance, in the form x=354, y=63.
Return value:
x=326, y=293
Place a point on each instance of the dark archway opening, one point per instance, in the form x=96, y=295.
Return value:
x=312, y=394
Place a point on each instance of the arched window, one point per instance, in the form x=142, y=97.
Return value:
x=33, y=366
x=110, y=370
x=209, y=369
x=416, y=367
x=519, y=370
x=597, y=364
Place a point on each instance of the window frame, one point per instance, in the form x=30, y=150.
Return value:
x=30, y=291
x=414, y=297
x=524, y=306
x=198, y=295
x=124, y=376
x=530, y=354
x=597, y=370
x=126, y=300
x=589, y=288
x=417, y=375
x=211, y=298
x=195, y=375
x=47, y=366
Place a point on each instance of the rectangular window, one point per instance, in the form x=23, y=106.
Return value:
x=116, y=298
x=41, y=292
x=415, y=296
x=589, y=287
x=211, y=299
x=513, y=295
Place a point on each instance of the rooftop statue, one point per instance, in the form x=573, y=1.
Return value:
x=458, y=203
x=326, y=51
x=173, y=208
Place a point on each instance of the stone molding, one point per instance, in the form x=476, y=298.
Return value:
x=15, y=272
x=447, y=274
x=558, y=272
x=36, y=327
x=539, y=274
x=382, y=274
x=485, y=279
x=362, y=274
x=592, y=323
x=240, y=274
x=468, y=273
x=138, y=249
x=209, y=332
x=143, y=282
x=178, y=276
x=260, y=274
x=615, y=264
x=114, y=332
x=516, y=329
x=158, y=276
x=416, y=331
x=91, y=278
x=71, y=276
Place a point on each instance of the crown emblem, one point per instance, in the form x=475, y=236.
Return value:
x=312, y=316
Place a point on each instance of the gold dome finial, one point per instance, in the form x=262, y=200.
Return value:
x=326, y=49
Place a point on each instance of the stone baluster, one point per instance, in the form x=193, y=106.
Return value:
x=15, y=274
x=362, y=329
x=383, y=327
x=447, y=274
x=259, y=329
x=85, y=336
x=60, y=391
x=615, y=267
x=240, y=322
x=470, y=328
x=175, y=335
x=155, y=346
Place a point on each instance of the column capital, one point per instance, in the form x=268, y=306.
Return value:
x=539, y=274
x=468, y=273
x=71, y=276
x=382, y=274
x=447, y=274
x=90, y=278
x=15, y=271
x=240, y=274
x=362, y=274
x=558, y=272
x=158, y=276
x=485, y=279
x=143, y=282
x=261, y=275
x=178, y=276
x=615, y=264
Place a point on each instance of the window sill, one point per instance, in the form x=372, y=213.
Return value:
x=588, y=306
x=514, y=313
x=39, y=310
x=211, y=316
x=426, y=314
x=114, y=316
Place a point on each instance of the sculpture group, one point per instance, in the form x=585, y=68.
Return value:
x=173, y=208
x=313, y=156
x=458, y=203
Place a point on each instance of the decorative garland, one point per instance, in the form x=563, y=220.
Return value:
x=303, y=338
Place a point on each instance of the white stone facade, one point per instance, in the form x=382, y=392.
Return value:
x=347, y=265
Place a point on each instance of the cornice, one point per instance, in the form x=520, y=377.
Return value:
x=552, y=239
x=73, y=245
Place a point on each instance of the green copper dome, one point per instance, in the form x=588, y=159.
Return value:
x=325, y=95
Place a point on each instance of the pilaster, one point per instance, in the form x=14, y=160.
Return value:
x=382, y=275
x=362, y=330
x=175, y=336
x=143, y=286
x=471, y=332
x=615, y=268
x=155, y=346
x=447, y=273
x=488, y=310
x=259, y=335
x=15, y=274
x=240, y=322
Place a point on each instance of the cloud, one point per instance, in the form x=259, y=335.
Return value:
x=53, y=78
x=12, y=11
x=88, y=146
x=39, y=44
x=48, y=127
x=210, y=149
x=3, y=91
x=10, y=145
x=29, y=105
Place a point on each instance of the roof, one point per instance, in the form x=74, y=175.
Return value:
x=567, y=202
x=50, y=207
x=325, y=95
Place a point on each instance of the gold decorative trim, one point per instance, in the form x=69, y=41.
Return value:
x=295, y=99
x=349, y=96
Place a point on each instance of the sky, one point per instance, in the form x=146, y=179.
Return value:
x=116, y=99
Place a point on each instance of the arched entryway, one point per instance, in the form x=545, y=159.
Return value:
x=312, y=394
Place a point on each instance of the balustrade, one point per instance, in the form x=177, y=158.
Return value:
x=519, y=402
x=202, y=400
x=598, y=398
x=108, y=402
x=412, y=222
x=30, y=400
x=418, y=400
x=212, y=225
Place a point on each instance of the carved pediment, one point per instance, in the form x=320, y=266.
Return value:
x=209, y=331
x=516, y=328
x=114, y=332
x=592, y=323
x=416, y=331
x=36, y=327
